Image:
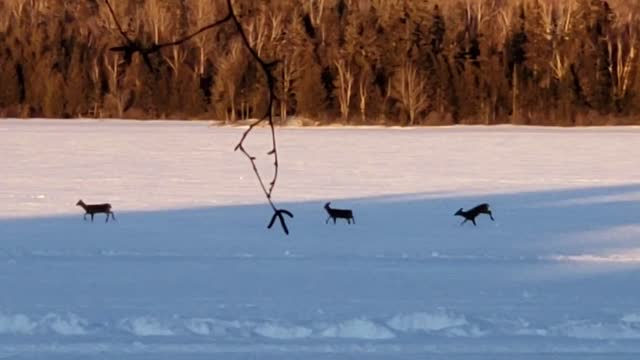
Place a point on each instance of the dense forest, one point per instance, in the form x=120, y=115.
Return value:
x=391, y=62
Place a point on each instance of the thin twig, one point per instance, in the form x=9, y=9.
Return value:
x=198, y=32
x=266, y=69
x=132, y=47
x=115, y=19
x=271, y=82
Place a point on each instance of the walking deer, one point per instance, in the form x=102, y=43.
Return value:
x=470, y=215
x=339, y=214
x=96, y=209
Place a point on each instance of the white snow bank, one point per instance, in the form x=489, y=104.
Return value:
x=434, y=321
x=438, y=323
x=598, y=330
x=358, y=329
x=200, y=326
x=20, y=324
x=16, y=324
x=632, y=318
x=145, y=326
x=69, y=325
x=275, y=331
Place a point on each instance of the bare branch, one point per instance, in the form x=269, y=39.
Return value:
x=271, y=81
x=115, y=19
x=198, y=32
x=132, y=47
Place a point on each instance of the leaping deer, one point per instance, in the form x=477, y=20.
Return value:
x=473, y=213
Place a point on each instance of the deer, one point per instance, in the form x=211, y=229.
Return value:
x=339, y=214
x=96, y=209
x=473, y=213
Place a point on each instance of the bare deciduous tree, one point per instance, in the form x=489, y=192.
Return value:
x=344, y=87
x=363, y=85
x=410, y=89
x=623, y=49
x=571, y=57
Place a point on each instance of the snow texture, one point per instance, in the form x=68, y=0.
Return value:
x=189, y=270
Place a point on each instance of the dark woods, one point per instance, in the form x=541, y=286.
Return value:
x=393, y=62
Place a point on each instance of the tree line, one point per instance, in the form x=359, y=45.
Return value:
x=388, y=62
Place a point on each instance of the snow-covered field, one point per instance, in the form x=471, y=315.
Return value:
x=189, y=270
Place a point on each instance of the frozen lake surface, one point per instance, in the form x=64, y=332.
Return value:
x=189, y=270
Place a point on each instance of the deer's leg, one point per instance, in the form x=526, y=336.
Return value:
x=349, y=221
x=85, y=217
x=474, y=222
x=463, y=221
x=334, y=220
x=91, y=217
x=491, y=216
x=107, y=219
x=113, y=216
x=328, y=217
